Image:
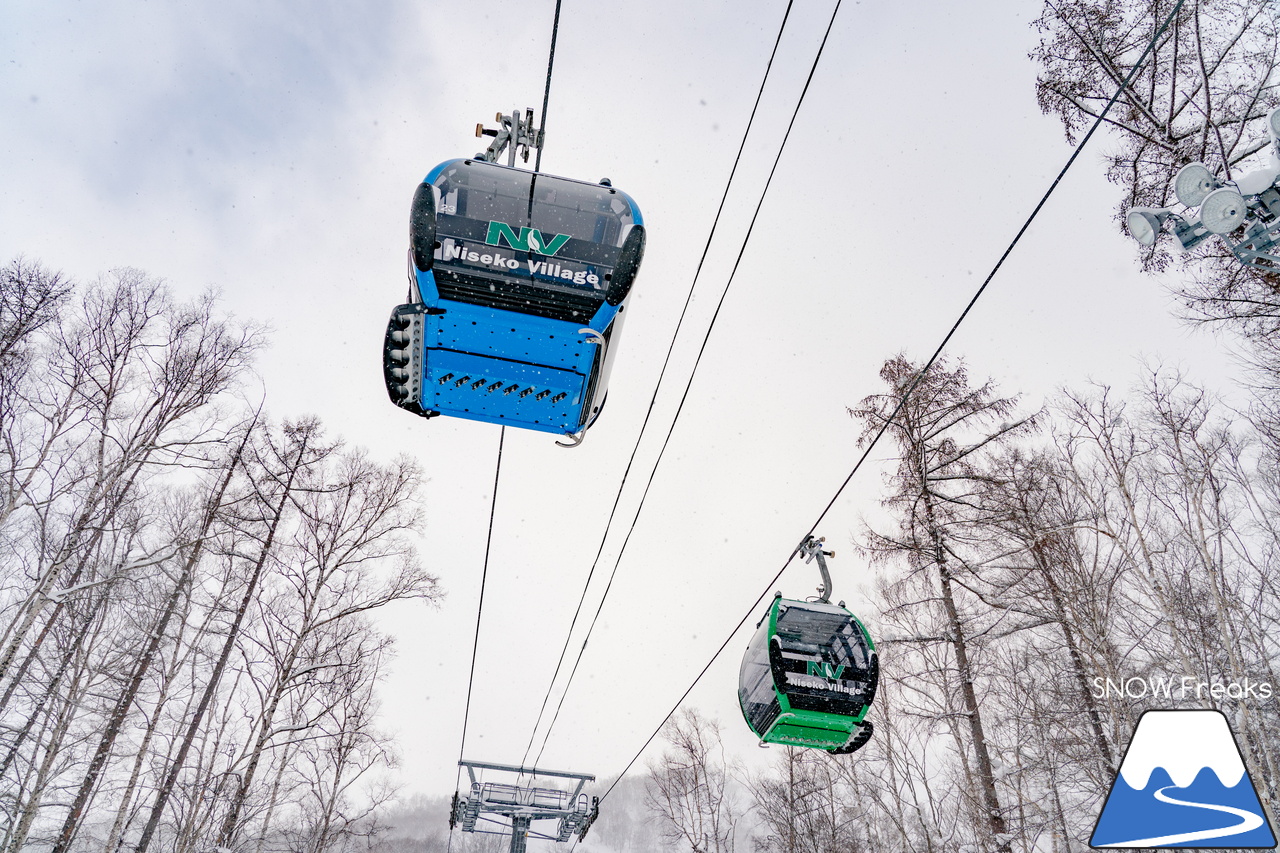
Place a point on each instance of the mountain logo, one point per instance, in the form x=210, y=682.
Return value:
x=1182, y=783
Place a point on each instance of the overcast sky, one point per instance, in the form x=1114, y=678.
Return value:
x=270, y=150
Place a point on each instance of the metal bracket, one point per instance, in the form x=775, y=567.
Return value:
x=514, y=133
x=575, y=438
x=593, y=337
x=591, y=818
x=415, y=293
x=1254, y=249
x=812, y=548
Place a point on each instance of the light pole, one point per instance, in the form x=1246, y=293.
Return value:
x=1243, y=212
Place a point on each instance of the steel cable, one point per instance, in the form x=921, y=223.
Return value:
x=907, y=393
x=697, y=361
x=657, y=386
x=475, y=645
x=546, y=92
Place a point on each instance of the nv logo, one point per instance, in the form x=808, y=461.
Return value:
x=1182, y=783
x=823, y=670
x=528, y=240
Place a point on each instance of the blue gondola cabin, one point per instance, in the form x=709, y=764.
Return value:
x=518, y=284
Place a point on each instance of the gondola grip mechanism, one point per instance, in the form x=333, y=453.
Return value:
x=514, y=134
x=811, y=548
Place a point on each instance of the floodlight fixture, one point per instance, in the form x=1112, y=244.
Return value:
x=1223, y=210
x=1193, y=182
x=1145, y=223
x=1242, y=211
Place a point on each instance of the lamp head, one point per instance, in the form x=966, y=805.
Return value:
x=1193, y=182
x=1145, y=223
x=1223, y=210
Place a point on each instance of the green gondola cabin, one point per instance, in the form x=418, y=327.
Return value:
x=809, y=676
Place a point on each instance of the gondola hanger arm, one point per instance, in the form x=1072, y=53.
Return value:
x=811, y=548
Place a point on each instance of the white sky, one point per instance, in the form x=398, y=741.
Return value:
x=270, y=149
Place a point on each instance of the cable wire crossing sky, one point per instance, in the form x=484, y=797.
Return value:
x=824, y=186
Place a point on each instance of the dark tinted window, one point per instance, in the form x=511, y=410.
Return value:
x=487, y=192
x=496, y=224
x=755, y=683
x=822, y=660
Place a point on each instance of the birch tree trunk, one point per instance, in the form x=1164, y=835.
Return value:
x=300, y=439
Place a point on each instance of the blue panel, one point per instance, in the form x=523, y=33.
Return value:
x=505, y=334
x=604, y=316
x=435, y=173
x=427, y=287
x=472, y=386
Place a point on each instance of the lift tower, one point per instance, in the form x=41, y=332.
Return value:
x=523, y=804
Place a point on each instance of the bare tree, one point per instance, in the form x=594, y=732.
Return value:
x=143, y=370
x=1203, y=96
x=940, y=427
x=909, y=802
x=810, y=803
x=1181, y=493
x=184, y=653
x=1045, y=537
x=348, y=518
x=29, y=299
x=128, y=381
x=282, y=466
x=689, y=787
x=142, y=665
x=341, y=747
